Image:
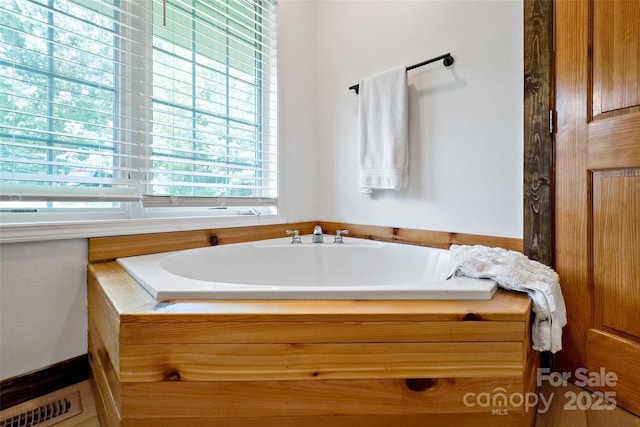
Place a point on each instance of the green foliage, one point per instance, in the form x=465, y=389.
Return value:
x=59, y=97
x=56, y=88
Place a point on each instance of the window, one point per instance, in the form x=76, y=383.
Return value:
x=168, y=102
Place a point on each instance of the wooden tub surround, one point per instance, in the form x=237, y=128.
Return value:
x=303, y=362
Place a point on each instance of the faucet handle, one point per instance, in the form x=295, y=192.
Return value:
x=296, y=236
x=339, y=234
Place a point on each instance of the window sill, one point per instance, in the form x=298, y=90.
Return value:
x=30, y=232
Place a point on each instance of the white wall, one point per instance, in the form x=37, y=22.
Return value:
x=298, y=149
x=43, y=304
x=465, y=121
x=466, y=137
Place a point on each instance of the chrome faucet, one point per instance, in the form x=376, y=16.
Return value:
x=317, y=235
x=296, y=236
x=339, y=233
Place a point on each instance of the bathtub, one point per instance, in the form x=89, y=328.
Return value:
x=359, y=269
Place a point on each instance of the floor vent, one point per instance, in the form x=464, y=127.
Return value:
x=41, y=413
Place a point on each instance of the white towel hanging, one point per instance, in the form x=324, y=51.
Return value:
x=384, y=131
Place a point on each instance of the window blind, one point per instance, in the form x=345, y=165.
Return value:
x=170, y=102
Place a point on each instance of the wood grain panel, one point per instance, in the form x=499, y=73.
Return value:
x=436, y=239
x=599, y=132
x=109, y=381
x=616, y=266
x=108, y=248
x=616, y=55
x=222, y=362
x=105, y=320
x=247, y=234
x=378, y=420
x=538, y=141
x=624, y=365
x=309, y=398
x=614, y=143
x=572, y=240
x=112, y=247
x=318, y=332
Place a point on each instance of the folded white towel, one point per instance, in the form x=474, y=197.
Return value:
x=514, y=271
x=384, y=131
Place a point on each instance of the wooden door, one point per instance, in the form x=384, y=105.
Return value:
x=597, y=219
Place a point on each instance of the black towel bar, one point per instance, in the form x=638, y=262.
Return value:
x=447, y=60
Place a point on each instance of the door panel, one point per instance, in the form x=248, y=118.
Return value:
x=598, y=189
x=613, y=142
x=617, y=356
x=616, y=253
x=616, y=51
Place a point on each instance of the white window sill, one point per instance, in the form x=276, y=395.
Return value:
x=29, y=232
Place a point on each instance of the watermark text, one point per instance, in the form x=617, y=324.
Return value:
x=500, y=402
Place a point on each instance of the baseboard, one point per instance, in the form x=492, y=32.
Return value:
x=25, y=387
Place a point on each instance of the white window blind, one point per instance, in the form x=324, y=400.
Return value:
x=170, y=102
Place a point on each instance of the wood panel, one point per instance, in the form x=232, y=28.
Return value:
x=616, y=56
x=105, y=319
x=104, y=373
x=616, y=274
x=120, y=292
x=436, y=239
x=572, y=241
x=224, y=362
x=311, y=398
x=538, y=141
x=378, y=420
x=624, y=364
x=596, y=210
x=614, y=144
x=108, y=412
x=142, y=333
x=109, y=248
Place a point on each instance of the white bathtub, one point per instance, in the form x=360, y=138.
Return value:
x=276, y=269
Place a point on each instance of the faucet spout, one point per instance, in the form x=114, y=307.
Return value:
x=317, y=235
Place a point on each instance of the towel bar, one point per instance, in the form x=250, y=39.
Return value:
x=447, y=60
